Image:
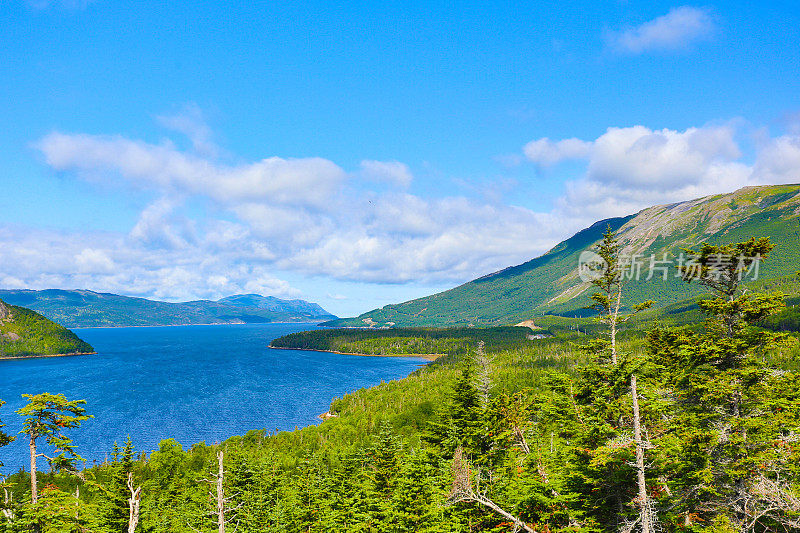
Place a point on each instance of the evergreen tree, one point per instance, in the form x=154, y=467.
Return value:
x=47, y=416
x=56, y=511
x=114, y=510
x=609, y=270
x=460, y=421
x=5, y=438
x=732, y=409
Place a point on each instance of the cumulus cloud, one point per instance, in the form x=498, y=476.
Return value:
x=336, y=296
x=638, y=157
x=392, y=172
x=628, y=169
x=158, y=227
x=678, y=29
x=211, y=229
x=191, y=122
x=304, y=216
x=308, y=181
x=779, y=161
x=93, y=261
x=546, y=152
x=107, y=262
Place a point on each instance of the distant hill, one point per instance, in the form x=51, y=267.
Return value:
x=550, y=284
x=270, y=303
x=26, y=333
x=82, y=308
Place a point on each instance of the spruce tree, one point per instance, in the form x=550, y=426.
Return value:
x=732, y=410
x=114, y=510
x=46, y=417
x=5, y=438
x=609, y=278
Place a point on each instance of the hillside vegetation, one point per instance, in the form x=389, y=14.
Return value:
x=408, y=341
x=691, y=428
x=550, y=284
x=25, y=333
x=81, y=308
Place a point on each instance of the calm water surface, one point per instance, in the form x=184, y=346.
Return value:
x=192, y=383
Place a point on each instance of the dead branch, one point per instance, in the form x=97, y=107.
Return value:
x=464, y=491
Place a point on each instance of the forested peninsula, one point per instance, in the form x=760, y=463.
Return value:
x=26, y=333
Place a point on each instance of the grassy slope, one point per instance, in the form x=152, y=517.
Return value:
x=81, y=308
x=550, y=284
x=38, y=336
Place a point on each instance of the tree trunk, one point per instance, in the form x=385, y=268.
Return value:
x=220, y=494
x=7, y=501
x=496, y=508
x=613, y=320
x=34, y=492
x=484, y=384
x=644, y=507
x=133, y=505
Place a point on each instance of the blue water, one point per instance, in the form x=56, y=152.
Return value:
x=192, y=383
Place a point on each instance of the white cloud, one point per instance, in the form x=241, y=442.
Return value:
x=392, y=172
x=678, y=29
x=93, y=261
x=336, y=296
x=302, y=216
x=308, y=181
x=10, y=282
x=631, y=168
x=546, y=152
x=779, y=161
x=158, y=227
x=211, y=230
x=638, y=157
x=192, y=123
x=107, y=262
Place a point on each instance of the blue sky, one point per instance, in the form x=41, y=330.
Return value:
x=367, y=153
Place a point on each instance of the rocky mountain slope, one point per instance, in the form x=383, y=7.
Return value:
x=82, y=308
x=551, y=284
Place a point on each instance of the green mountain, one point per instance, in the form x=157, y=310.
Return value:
x=551, y=284
x=26, y=333
x=82, y=308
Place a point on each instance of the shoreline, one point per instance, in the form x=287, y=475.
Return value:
x=427, y=356
x=11, y=357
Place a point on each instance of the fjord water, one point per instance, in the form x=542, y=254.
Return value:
x=191, y=383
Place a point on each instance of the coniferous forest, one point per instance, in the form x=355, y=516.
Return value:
x=637, y=426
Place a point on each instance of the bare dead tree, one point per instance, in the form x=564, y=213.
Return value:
x=646, y=514
x=133, y=504
x=463, y=490
x=217, y=495
x=220, y=493
x=8, y=498
x=765, y=499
